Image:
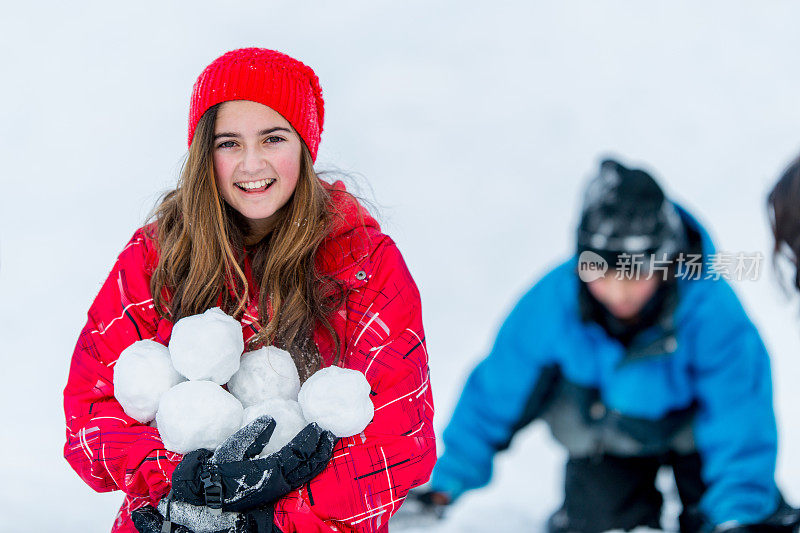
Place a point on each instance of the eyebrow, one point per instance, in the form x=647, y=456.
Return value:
x=262, y=132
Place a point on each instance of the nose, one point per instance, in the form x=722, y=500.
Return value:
x=253, y=161
x=613, y=292
x=622, y=292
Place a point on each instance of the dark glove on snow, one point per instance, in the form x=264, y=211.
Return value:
x=148, y=520
x=240, y=485
x=431, y=502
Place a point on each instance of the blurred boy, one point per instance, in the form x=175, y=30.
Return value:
x=637, y=356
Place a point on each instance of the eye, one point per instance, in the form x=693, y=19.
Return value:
x=274, y=139
x=226, y=144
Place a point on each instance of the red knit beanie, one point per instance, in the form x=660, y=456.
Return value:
x=267, y=77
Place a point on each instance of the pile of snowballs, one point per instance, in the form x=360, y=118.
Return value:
x=180, y=387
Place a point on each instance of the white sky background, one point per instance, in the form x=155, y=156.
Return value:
x=473, y=126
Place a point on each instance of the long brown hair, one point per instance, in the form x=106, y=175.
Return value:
x=783, y=204
x=201, y=241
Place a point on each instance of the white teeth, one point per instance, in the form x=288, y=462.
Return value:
x=254, y=184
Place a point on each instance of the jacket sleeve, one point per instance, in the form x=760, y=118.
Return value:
x=108, y=449
x=370, y=473
x=496, y=397
x=735, y=429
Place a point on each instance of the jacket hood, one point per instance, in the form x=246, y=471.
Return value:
x=348, y=213
x=697, y=233
x=352, y=236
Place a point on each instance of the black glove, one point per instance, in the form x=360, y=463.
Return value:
x=148, y=520
x=431, y=502
x=241, y=485
x=421, y=510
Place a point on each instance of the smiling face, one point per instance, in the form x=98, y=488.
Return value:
x=256, y=156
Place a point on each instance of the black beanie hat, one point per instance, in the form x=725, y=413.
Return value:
x=626, y=212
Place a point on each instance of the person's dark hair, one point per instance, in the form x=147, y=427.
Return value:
x=783, y=204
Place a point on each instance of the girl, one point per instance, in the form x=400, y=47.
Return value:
x=251, y=228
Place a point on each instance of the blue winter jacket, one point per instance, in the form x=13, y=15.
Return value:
x=719, y=365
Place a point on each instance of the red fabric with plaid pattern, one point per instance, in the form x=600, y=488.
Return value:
x=380, y=326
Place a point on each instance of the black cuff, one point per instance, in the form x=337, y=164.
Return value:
x=262, y=520
x=187, y=483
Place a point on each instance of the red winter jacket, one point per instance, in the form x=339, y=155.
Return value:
x=380, y=327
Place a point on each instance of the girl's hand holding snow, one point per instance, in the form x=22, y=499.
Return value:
x=252, y=483
x=221, y=480
x=184, y=516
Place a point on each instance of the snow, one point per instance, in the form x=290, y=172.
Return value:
x=265, y=373
x=142, y=374
x=197, y=414
x=502, y=518
x=207, y=346
x=338, y=400
x=288, y=421
x=473, y=139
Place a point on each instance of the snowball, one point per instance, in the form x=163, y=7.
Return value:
x=288, y=421
x=338, y=399
x=207, y=346
x=197, y=414
x=142, y=374
x=265, y=373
